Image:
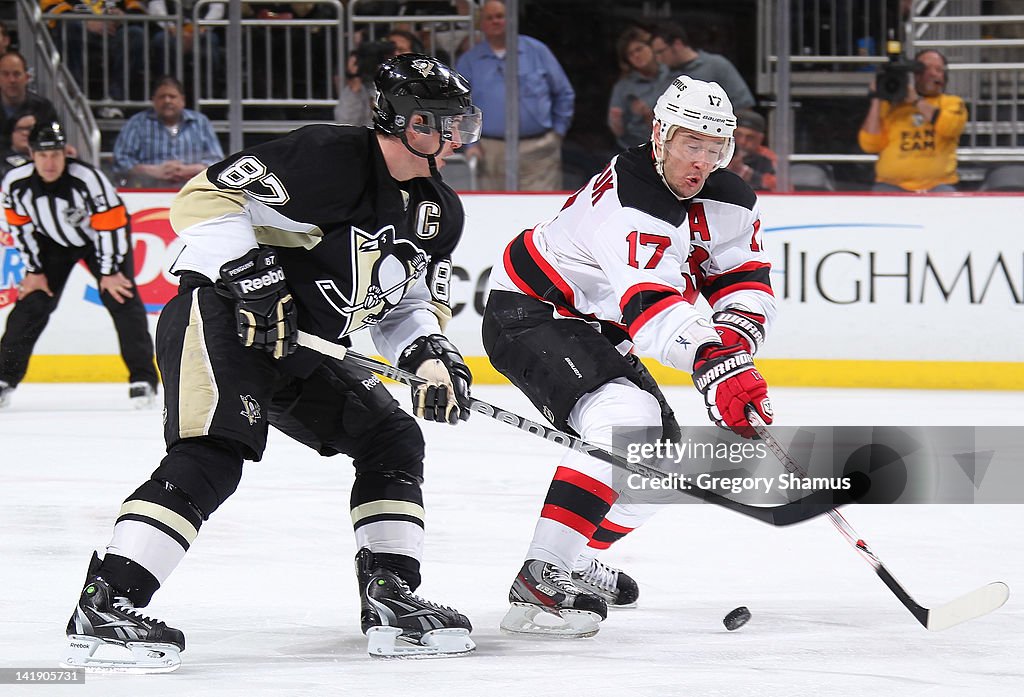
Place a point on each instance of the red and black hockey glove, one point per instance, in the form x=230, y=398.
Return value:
x=741, y=327
x=264, y=308
x=444, y=397
x=727, y=378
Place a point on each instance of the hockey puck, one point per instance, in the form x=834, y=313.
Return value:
x=736, y=619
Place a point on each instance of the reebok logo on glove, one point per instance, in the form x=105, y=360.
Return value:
x=264, y=309
x=248, y=285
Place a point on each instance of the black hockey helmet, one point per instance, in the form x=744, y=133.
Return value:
x=47, y=135
x=416, y=84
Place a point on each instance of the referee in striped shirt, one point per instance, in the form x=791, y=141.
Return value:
x=61, y=211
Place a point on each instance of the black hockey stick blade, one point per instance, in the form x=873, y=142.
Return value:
x=811, y=506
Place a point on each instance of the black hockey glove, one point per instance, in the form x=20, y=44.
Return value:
x=264, y=308
x=444, y=397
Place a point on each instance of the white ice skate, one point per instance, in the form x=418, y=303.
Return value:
x=546, y=603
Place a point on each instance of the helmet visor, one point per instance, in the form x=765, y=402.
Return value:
x=693, y=148
x=462, y=129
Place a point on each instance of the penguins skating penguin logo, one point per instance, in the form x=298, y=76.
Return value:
x=383, y=270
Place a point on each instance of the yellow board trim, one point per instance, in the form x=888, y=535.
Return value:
x=918, y=375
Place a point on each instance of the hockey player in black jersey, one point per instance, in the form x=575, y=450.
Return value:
x=628, y=253
x=331, y=230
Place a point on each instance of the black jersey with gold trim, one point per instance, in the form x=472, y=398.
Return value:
x=354, y=242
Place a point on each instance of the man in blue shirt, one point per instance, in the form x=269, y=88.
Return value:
x=166, y=145
x=546, y=103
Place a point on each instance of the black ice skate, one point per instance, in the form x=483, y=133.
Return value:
x=107, y=634
x=399, y=624
x=617, y=587
x=546, y=602
x=142, y=395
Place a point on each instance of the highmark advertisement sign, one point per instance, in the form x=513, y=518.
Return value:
x=901, y=291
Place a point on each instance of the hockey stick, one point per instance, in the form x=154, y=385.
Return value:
x=978, y=602
x=808, y=507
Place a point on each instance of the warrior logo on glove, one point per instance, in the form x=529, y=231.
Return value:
x=727, y=378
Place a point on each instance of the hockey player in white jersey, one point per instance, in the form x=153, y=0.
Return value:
x=617, y=271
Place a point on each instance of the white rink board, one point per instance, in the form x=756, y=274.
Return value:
x=937, y=278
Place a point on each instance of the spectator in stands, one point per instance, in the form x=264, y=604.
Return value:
x=916, y=138
x=5, y=39
x=672, y=47
x=119, y=47
x=546, y=103
x=162, y=46
x=404, y=41
x=644, y=79
x=16, y=98
x=753, y=160
x=166, y=145
x=356, y=93
x=452, y=38
x=18, y=154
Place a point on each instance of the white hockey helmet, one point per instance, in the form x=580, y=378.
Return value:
x=698, y=106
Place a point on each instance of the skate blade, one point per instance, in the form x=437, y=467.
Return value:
x=97, y=656
x=524, y=618
x=385, y=642
x=627, y=606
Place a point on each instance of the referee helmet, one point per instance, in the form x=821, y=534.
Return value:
x=47, y=136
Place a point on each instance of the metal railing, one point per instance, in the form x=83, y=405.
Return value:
x=992, y=86
x=280, y=64
x=443, y=31
x=111, y=56
x=52, y=80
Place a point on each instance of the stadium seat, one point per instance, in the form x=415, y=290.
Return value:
x=1004, y=178
x=804, y=176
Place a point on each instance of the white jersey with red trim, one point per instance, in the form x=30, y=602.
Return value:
x=625, y=252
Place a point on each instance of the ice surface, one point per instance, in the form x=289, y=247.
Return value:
x=267, y=598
